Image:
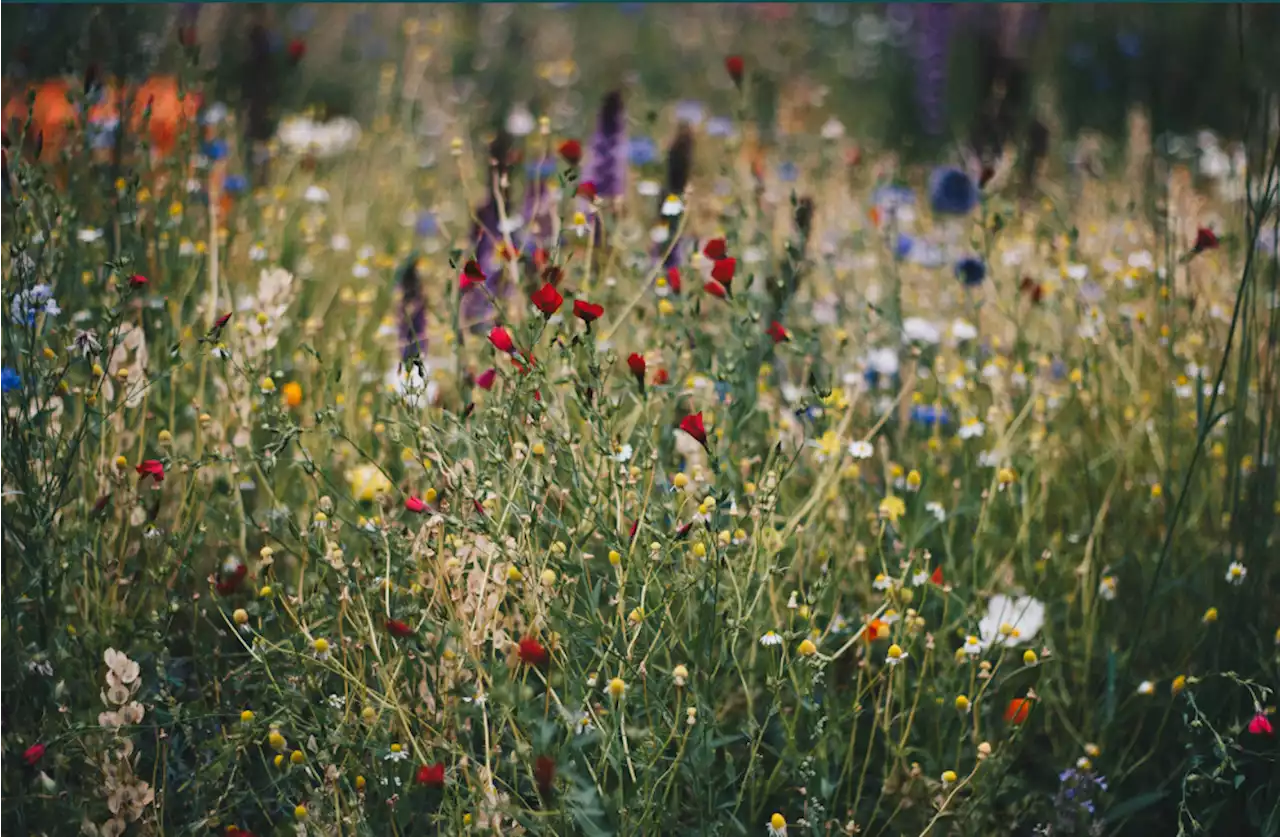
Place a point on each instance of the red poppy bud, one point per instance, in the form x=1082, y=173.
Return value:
x=714, y=249
x=1017, y=710
x=547, y=299
x=1205, y=240
x=231, y=583
x=735, y=66
x=297, y=49
x=137, y=280
x=223, y=320
x=153, y=468
x=486, y=379
x=673, y=278
x=398, y=629
x=778, y=333
x=431, y=775
x=692, y=424
x=532, y=653
x=571, y=151
x=415, y=505
x=1259, y=725
x=501, y=339
x=587, y=190
x=715, y=289
x=635, y=362
x=936, y=577
x=724, y=269
x=33, y=754
x=586, y=311
x=660, y=377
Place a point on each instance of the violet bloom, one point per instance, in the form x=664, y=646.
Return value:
x=606, y=165
x=932, y=52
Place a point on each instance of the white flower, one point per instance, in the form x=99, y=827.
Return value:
x=770, y=639
x=336, y=702
x=883, y=361
x=520, y=122
x=919, y=578
x=1078, y=272
x=511, y=224
x=1107, y=588
x=258, y=253
x=221, y=351
x=752, y=255
x=396, y=753
x=660, y=234
x=963, y=330
x=360, y=270
x=413, y=385
x=316, y=194
x=214, y=114
x=1141, y=260
x=832, y=129
x=340, y=242
x=86, y=343
x=648, y=188
x=935, y=508
x=919, y=330
x=623, y=454
x=88, y=235
x=861, y=449
x=1236, y=573
x=672, y=206
x=1146, y=687
x=882, y=582
x=1011, y=622
x=895, y=655
x=972, y=645
x=971, y=429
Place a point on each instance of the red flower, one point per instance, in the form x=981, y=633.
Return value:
x=1205, y=240
x=501, y=339
x=734, y=66
x=187, y=35
x=297, y=49
x=223, y=320
x=673, y=278
x=137, y=280
x=635, y=362
x=153, y=468
x=398, y=629
x=724, y=269
x=431, y=775
x=778, y=333
x=540, y=257
x=33, y=754
x=471, y=275
x=715, y=289
x=936, y=578
x=1017, y=710
x=586, y=311
x=571, y=151
x=231, y=583
x=486, y=379
x=547, y=299
x=631, y=533
x=660, y=377
x=544, y=774
x=714, y=249
x=532, y=653
x=415, y=505
x=1260, y=725
x=587, y=190
x=692, y=424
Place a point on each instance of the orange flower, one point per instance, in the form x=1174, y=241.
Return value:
x=876, y=629
x=292, y=393
x=1017, y=710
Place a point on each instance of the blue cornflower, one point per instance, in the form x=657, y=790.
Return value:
x=426, y=225
x=235, y=183
x=31, y=303
x=952, y=192
x=902, y=247
x=541, y=169
x=788, y=171
x=10, y=380
x=641, y=151
x=215, y=150
x=929, y=415
x=971, y=271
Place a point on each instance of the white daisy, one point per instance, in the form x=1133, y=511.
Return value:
x=1236, y=573
x=672, y=206
x=1011, y=621
x=882, y=582
x=861, y=449
x=770, y=639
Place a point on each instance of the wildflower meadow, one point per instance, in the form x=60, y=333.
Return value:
x=595, y=420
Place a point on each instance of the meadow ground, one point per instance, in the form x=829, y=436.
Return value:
x=603, y=476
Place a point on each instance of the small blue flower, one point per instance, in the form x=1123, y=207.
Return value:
x=971, y=271
x=1087, y=805
x=952, y=192
x=10, y=380
x=426, y=225
x=691, y=111
x=720, y=126
x=929, y=415
x=215, y=150
x=788, y=172
x=723, y=390
x=641, y=151
x=235, y=183
x=542, y=169
x=1058, y=369
x=902, y=247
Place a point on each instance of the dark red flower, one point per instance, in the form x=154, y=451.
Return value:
x=778, y=333
x=137, y=280
x=552, y=274
x=1205, y=240
x=398, y=629
x=532, y=653
x=547, y=299
x=431, y=775
x=223, y=320
x=936, y=577
x=714, y=249
x=471, y=275
x=231, y=581
x=631, y=533
x=588, y=312
x=587, y=190
x=635, y=362
x=714, y=288
x=415, y=505
x=236, y=831
x=297, y=49
x=544, y=774
x=692, y=424
x=1033, y=289
x=153, y=468
x=33, y=754
x=501, y=339
x=1260, y=724
x=571, y=151
x=735, y=67
x=486, y=379
x=660, y=377
x=673, y=278
x=187, y=35
x=724, y=269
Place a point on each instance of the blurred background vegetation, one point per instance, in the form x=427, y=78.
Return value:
x=1088, y=64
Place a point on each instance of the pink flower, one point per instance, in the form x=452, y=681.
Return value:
x=415, y=505
x=486, y=379
x=35, y=752
x=1261, y=724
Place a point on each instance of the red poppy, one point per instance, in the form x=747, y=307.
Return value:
x=735, y=67
x=231, y=582
x=1017, y=710
x=714, y=249
x=936, y=577
x=398, y=629
x=587, y=190
x=137, y=280
x=1259, y=725
x=486, y=379
x=660, y=377
x=153, y=468
x=33, y=754
x=586, y=311
x=471, y=275
x=547, y=299
x=778, y=333
x=501, y=339
x=571, y=151
x=635, y=362
x=1205, y=240
x=415, y=505
x=724, y=269
x=532, y=653
x=544, y=774
x=297, y=49
x=714, y=288
x=692, y=424
x=431, y=775
x=673, y=278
